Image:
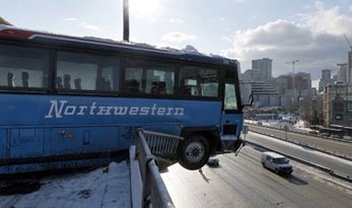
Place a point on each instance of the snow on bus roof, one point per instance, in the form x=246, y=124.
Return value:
x=188, y=53
x=188, y=50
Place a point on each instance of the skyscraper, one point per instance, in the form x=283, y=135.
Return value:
x=264, y=68
x=325, y=79
x=342, y=73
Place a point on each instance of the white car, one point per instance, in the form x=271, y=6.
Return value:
x=276, y=162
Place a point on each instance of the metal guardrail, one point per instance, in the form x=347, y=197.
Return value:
x=162, y=145
x=154, y=192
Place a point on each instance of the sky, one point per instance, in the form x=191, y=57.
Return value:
x=282, y=30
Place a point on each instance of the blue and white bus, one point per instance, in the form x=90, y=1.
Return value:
x=73, y=102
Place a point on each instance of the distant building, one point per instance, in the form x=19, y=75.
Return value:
x=251, y=75
x=319, y=107
x=325, y=79
x=293, y=92
x=303, y=83
x=284, y=85
x=334, y=78
x=342, y=73
x=264, y=94
x=349, y=67
x=264, y=68
x=316, y=114
x=337, y=105
x=290, y=92
x=337, y=99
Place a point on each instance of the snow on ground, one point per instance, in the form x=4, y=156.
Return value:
x=299, y=126
x=104, y=187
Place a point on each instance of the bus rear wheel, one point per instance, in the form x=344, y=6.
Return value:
x=194, y=152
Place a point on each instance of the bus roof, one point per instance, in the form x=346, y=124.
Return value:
x=12, y=32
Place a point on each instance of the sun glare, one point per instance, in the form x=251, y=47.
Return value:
x=144, y=7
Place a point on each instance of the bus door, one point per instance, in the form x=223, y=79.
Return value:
x=231, y=118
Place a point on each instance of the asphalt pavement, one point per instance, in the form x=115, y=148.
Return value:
x=338, y=165
x=242, y=182
x=338, y=148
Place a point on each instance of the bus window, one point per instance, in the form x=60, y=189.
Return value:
x=105, y=79
x=23, y=67
x=197, y=81
x=160, y=81
x=132, y=86
x=79, y=71
x=152, y=77
x=133, y=79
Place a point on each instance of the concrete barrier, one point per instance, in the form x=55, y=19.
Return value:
x=305, y=145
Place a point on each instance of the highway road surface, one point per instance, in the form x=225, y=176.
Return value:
x=338, y=165
x=242, y=182
x=336, y=147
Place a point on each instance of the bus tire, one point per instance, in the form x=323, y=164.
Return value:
x=194, y=152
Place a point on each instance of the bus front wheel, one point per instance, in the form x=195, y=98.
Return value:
x=194, y=152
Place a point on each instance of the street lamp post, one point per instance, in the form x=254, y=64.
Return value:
x=126, y=21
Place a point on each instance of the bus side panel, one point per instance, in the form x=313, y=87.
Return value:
x=84, y=140
x=26, y=143
x=3, y=144
x=41, y=132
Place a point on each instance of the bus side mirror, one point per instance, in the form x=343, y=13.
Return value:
x=250, y=101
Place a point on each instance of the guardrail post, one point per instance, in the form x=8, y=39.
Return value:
x=154, y=192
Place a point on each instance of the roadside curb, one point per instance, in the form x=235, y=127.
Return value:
x=323, y=168
x=135, y=178
x=301, y=133
x=306, y=145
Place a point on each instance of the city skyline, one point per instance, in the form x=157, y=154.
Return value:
x=309, y=31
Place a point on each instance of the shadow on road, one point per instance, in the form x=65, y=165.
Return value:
x=295, y=180
x=291, y=178
x=204, y=176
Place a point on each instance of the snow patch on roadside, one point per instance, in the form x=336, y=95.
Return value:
x=103, y=187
